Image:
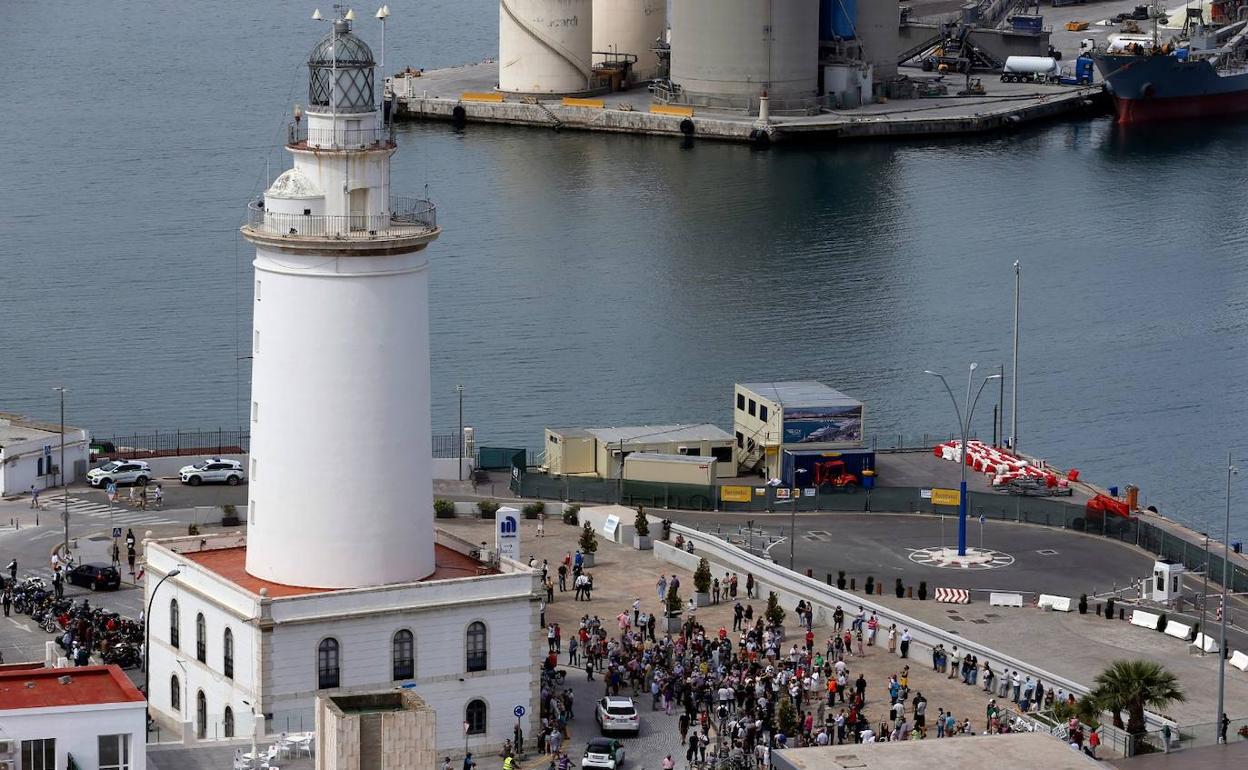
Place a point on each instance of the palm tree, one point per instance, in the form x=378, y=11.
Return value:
x=1132, y=686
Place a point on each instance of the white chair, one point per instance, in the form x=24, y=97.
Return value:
x=304, y=744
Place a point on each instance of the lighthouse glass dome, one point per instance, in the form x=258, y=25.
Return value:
x=340, y=70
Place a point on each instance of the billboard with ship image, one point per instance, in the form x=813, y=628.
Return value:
x=823, y=425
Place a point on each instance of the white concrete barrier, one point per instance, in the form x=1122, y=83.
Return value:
x=1178, y=630
x=1239, y=660
x=1058, y=603
x=1005, y=600
x=1145, y=619
x=1203, y=642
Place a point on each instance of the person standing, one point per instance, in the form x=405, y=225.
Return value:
x=130, y=558
x=1094, y=740
x=749, y=585
x=892, y=638
x=563, y=578
x=160, y=495
x=661, y=587
x=541, y=524
x=1223, y=724
x=469, y=762
x=34, y=496
x=130, y=538
x=7, y=600
x=13, y=570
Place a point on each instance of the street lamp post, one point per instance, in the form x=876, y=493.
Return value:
x=793, y=515
x=1204, y=595
x=460, y=390
x=147, y=634
x=1231, y=470
x=1014, y=379
x=64, y=484
x=964, y=426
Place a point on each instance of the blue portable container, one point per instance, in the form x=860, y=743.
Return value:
x=837, y=18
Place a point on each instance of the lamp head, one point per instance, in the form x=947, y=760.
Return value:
x=992, y=377
x=974, y=366
x=350, y=14
x=174, y=572
x=929, y=371
x=316, y=15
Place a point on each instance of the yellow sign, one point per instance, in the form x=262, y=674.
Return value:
x=734, y=494
x=945, y=497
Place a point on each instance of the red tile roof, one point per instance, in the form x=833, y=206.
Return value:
x=88, y=685
x=231, y=564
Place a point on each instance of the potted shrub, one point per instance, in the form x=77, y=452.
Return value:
x=488, y=508
x=774, y=613
x=1162, y=620
x=870, y=587
x=570, y=514
x=840, y=579
x=674, y=607
x=1109, y=608
x=667, y=529
x=443, y=508
x=922, y=590
x=641, y=535
x=534, y=509
x=702, y=583
x=229, y=515
x=1083, y=604
x=193, y=529
x=899, y=589
x=589, y=544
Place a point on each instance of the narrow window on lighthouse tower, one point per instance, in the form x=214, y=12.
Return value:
x=251, y=513
x=257, y=290
x=255, y=411
x=255, y=342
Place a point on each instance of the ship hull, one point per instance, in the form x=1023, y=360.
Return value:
x=1148, y=89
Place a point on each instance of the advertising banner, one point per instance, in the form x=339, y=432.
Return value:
x=823, y=425
x=734, y=494
x=507, y=532
x=945, y=497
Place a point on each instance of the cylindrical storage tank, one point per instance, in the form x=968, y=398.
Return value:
x=630, y=27
x=724, y=55
x=544, y=46
x=878, y=29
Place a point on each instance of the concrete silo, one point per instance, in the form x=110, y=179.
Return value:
x=544, y=46
x=630, y=27
x=725, y=53
x=878, y=27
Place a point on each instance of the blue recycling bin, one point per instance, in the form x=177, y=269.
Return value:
x=1113, y=491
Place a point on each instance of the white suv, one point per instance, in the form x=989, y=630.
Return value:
x=617, y=714
x=120, y=472
x=212, y=470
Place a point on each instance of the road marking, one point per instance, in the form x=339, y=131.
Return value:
x=42, y=535
x=22, y=626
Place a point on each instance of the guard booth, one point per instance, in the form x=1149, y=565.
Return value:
x=1167, y=577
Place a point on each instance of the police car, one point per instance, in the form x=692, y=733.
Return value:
x=121, y=473
x=214, y=470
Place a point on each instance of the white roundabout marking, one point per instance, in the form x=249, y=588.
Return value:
x=948, y=558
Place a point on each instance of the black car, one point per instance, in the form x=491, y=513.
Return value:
x=97, y=577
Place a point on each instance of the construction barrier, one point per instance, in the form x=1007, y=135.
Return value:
x=1144, y=619
x=671, y=109
x=1005, y=600
x=1058, y=603
x=1204, y=642
x=480, y=96
x=1239, y=660
x=593, y=104
x=1178, y=630
x=953, y=595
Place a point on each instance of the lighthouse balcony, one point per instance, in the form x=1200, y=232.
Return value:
x=407, y=217
x=343, y=137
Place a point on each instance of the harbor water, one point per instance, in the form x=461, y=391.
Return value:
x=588, y=279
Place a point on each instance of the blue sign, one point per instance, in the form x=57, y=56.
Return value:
x=981, y=518
x=508, y=525
x=518, y=711
x=116, y=531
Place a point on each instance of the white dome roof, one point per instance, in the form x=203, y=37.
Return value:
x=294, y=184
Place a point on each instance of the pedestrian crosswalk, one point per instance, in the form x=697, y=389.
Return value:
x=120, y=515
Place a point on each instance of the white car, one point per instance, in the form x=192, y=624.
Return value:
x=121, y=473
x=617, y=714
x=606, y=753
x=212, y=470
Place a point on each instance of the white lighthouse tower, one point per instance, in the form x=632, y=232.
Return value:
x=340, y=492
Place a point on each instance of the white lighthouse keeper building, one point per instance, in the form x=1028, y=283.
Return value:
x=332, y=591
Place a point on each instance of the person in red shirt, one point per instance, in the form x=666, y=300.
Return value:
x=1094, y=740
x=810, y=641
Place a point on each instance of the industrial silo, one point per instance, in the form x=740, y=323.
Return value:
x=623, y=27
x=725, y=53
x=878, y=30
x=544, y=46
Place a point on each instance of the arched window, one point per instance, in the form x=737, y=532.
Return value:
x=173, y=623
x=175, y=693
x=201, y=638
x=201, y=715
x=227, y=651
x=476, y=646
x=327, y=664
x=227, y=722
x=474, y=717
x=403, y=653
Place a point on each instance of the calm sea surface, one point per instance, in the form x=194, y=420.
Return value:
x=592, y=279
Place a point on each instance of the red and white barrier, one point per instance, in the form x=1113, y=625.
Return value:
x=1001, y=466
x=953, y=595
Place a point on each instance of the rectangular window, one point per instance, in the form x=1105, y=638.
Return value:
x=39, y=754
x=251, y=513
x=253, y=469
x=257, y=290
x=741, y=402
x=255, y=341
x=762, y=413
x=255, y=411
x=722, y=454
x=115, y=752
x=740, y=440
x=752, y=407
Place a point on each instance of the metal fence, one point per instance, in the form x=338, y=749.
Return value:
x=172, y=443
x=407, y=217
x=1047, y=512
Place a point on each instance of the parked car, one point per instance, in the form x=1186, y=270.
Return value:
x=121, y=473
x=214, y=470
x=606, y=753
x=97, y=577
x=617, y=714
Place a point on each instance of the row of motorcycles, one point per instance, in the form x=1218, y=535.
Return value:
x=78, y=625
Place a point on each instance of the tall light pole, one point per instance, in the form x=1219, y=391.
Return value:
x=147, y=634
x=1204, y=597
x=1231, y=470
x=964, y=426
x=382, y=14
x=1014, y=380
x=793, y=515
x=64, y=485
x=460, y=390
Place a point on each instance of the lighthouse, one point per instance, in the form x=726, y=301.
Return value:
x=340, y=492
